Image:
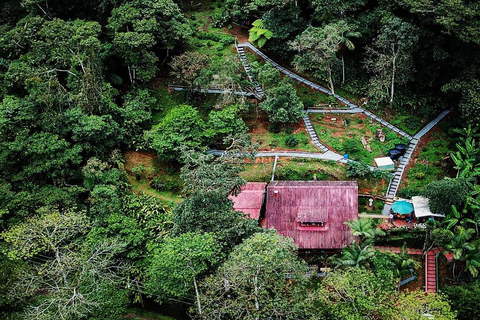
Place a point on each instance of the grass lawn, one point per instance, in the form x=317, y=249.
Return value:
x=315, y=99
x=146, y=167
x=258, y=172
x=363, y=206
x=267, y=140
x=305, y=170
x=139, y=314
x=402, y=119
x=332, y=131
x=431, y=164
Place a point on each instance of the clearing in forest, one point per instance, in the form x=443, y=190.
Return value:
x=355, y=134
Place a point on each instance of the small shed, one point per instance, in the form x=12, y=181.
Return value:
x=250, y=200
x=422, y=209
x=384, y=163
x=313, y=213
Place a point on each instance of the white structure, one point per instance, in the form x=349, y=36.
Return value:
x=384, y=163
x=422, y=210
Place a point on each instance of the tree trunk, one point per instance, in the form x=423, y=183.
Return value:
x=199, y=306
x=330, y=80
x=343, y=70
x=392, y=86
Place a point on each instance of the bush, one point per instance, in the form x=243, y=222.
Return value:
x=352, y=146
x=357, y=169
x=390, y=135
x=445, y=193
x=167, y=183
x=289, y=130
x=464, y=299
x=291, y=141
x=408, y=192
x=274, y=127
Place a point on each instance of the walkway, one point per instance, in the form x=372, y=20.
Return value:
x=313, y=134
x=354, y=110
x=315, y=86
x=397, y=176
x=246, y=65
x=214, y=91
x=329, y=155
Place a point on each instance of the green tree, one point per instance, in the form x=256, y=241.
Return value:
x=262, y=278
x=187, y=67
x=391, y=58
x=464, y=299
x=179, y=264
x=317, y=49
x=78, y=278
x=181, y=127
x=282, y=104
x=140, y=28
x=224, y=123
x=444, y=194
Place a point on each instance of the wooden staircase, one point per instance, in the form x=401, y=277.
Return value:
x=431, y=271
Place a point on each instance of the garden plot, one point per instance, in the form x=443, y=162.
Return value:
x=301, y=169
x=293, y=137
x=361, y=138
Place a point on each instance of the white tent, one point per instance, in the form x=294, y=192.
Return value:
x=422, y=210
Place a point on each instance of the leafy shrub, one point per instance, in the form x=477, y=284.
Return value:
x=289, y=130
x=412, y=123
x=390, y=135
x=291, y=141
x=167, y=183
x=419, y=175
x=464, y=299
x=408, y=192
x=274, y=127
x=352, y=146
x=357, y=169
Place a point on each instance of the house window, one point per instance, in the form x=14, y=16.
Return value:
x=312, y=223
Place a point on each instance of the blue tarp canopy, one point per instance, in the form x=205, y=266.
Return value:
x=402, y=207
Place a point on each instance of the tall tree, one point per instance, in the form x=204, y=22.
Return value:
x=141, y=28
x=177, y=267
x=391, y=58
x=262, y=278
x=317, y=49
x=282, y=104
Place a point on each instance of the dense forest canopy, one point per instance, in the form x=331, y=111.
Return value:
x=83, y=85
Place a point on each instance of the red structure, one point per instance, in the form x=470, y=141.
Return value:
x=250, y=199
x=312, y=212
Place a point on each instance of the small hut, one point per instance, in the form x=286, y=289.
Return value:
x=384, y=163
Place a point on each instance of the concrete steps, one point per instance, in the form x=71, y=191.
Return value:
x=313, y=134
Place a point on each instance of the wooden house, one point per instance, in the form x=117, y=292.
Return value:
x=250, y=200
x=313, y=213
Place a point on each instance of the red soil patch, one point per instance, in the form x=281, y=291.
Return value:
x=136, y=158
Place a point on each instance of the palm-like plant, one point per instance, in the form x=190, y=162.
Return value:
x=466, y=157
x=354, y=256
x=346, y=34
x=403, y=262
x=460, y=244
x=472, y=262
x=464, y=250
x=366, y=229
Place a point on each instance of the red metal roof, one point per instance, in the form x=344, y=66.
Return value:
x=250, y=199
x=292, y=204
